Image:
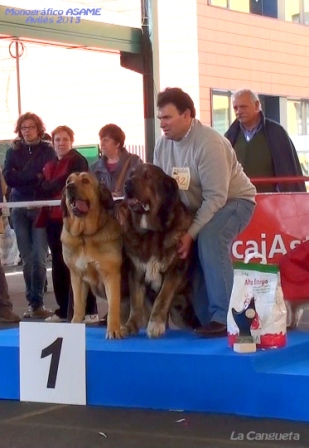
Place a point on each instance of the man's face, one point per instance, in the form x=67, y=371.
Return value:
x=174, y=124
x=246, y=110
x=29, y=131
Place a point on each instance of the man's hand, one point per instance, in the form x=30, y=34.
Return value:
x=185, y=245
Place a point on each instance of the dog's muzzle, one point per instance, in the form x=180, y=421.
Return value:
x=133, y=202
x=79, y=207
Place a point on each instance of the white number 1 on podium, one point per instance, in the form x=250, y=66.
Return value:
x=52, y=362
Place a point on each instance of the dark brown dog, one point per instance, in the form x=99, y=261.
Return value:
x=92, y=246
x=153, y=220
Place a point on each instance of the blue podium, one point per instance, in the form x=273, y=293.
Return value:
x=183, y=372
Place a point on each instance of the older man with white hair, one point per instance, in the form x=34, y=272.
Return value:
x=262, y=146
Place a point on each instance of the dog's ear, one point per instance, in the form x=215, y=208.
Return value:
x=106, y=198
x=170, y=197
x=121, y=212
x=170, y=192
x=65, y=211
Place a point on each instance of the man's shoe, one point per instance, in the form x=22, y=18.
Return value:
x=55, y=319
x=39, y=313
x=7, y=315
x=27, y=314
x=91, y=319
x=212, y=330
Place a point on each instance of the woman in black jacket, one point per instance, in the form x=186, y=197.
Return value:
x=22, y=171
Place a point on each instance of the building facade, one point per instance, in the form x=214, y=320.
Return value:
x=212, y=48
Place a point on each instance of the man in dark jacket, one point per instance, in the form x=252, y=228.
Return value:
x=22, y=171
x=262, y=146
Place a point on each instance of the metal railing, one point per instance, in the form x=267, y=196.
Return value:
x=279, y=179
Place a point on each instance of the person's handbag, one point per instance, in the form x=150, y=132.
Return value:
x=118, y=191
x=260, y=282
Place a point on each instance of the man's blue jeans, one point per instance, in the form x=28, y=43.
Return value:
x=33, y=248
x=213, y=268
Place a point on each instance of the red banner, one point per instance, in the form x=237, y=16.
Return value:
x=279, y=223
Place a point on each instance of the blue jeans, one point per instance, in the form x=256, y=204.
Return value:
x=213, y=273
x=33, y=248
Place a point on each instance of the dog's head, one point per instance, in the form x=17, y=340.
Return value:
x=84, y=197
x=149, y=192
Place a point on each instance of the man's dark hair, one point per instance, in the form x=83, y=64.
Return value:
x=30, y=116
x=181, y=100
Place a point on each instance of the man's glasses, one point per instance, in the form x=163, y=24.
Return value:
x=24, y=128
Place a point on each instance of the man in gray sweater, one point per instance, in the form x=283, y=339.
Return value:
x=213, y=185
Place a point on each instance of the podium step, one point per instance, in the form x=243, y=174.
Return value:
x=183, y=372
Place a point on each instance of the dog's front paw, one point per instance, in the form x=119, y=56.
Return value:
x=128, y=329
x=113, y=332
x=155, y=329
x=131, y=327
x=124, y=331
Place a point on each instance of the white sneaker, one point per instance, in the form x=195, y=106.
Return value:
x=55, y=318
x=91, y=319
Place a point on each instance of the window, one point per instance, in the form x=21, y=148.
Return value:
x=298, y=117
x=306, y=12
x=221, y=111
x=297, y=11
x=307, y=116
x=222, y=3
x=240, y=5
x=298, y=130
x=303, y=158
x=292, y=11
x=267, y=8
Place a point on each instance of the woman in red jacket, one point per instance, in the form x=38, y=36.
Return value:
x=55, y=174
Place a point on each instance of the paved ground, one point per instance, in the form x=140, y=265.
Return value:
x=32, y=425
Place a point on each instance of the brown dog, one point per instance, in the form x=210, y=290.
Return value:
x=92, y=246
x=153, y=220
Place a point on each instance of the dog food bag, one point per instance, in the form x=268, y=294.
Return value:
x=260, y=282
